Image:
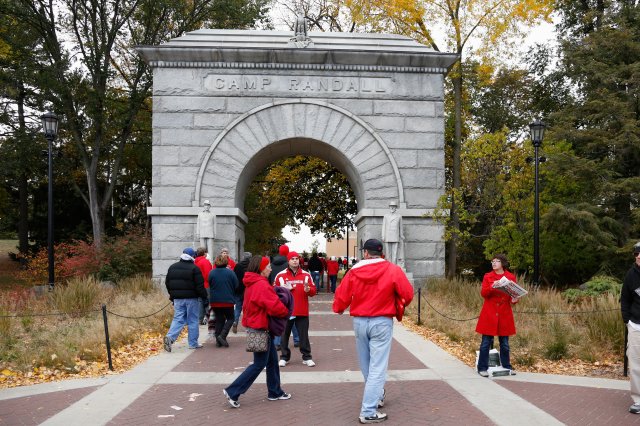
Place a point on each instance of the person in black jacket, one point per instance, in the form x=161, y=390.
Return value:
x=239, y=270
x=316, y=269
x=222, y=296
x=185, y=285
x=630, y=307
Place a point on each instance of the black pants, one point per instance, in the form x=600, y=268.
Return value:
x=223, y=316
x=302, y=324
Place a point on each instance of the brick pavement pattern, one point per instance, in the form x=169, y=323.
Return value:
x=425, y=386
x=33, y=410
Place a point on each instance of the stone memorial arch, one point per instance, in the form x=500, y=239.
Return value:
x=227, y=103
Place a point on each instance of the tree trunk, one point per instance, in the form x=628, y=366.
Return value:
x=452, y=253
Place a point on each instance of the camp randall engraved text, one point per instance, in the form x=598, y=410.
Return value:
x=302, y=84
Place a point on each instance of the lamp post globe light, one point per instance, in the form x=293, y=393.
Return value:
x=50, y=127
x=537, y=135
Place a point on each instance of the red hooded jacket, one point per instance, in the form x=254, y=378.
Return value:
x=295, y=282
x=371, y=288
x=496, y=316
x=260, y=300
x=205, y=267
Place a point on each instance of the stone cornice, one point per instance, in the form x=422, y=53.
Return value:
x=303, y=67
x=297, y=59
x=193, y=211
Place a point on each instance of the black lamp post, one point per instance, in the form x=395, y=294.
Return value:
x=50, y=127
x=537, y=134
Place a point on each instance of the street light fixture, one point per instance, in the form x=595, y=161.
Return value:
x=537, y=135
x=50, y=127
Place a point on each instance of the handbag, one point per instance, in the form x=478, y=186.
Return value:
x=257, y=340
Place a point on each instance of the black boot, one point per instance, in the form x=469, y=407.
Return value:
x=218, y=341
x=225, y=332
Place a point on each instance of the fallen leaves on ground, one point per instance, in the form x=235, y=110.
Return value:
x=123, y=359
x=610, y=367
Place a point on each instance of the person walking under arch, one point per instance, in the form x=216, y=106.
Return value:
x=222, y=296
x=299, y=282
x=377, y=291
x=185, y=285
x=260, y=302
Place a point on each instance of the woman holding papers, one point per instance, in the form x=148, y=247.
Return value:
x=496, y=317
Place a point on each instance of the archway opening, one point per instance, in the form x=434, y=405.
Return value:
x=300, y=192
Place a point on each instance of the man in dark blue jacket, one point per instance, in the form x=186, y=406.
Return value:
x=185, y=285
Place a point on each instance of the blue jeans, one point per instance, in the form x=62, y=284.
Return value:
x=333, y=279
x=294, y=332
x=261, y=360
x=237, y=310
x=485, y=346
x=315, y=276
x=373, y=343
x=186, y=311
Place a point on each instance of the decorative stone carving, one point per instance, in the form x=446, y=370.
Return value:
x=206, y=227
x=301, y=38
x=393, y=236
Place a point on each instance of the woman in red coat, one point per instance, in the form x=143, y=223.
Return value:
x=496, y=317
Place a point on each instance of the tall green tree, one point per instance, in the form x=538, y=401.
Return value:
x=601, y=56
x=95, y=80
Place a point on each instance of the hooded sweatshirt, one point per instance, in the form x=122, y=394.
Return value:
x=278, y=263
x=295, y=283
x=371, y=288
x=260, y=300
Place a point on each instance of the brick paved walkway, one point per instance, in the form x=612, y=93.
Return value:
x=425, y=386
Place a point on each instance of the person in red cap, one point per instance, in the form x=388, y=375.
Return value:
x=301, y=285
x=377, y=291
x=260, y=302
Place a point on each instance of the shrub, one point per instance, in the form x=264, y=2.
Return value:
x=598, y=285
x=126, y=256
x=78, y=296
x=138, y=284
x=120, y=257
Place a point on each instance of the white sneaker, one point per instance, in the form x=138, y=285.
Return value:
x=282, y=363
x=309, y=363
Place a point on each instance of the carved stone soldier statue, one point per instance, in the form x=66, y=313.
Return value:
x=206, y=227
x=300, y=31
x=392, y=234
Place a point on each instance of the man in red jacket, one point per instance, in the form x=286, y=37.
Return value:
x=376, y=290
x=205, y=267
x=301, y=285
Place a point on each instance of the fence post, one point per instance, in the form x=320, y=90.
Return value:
x=106, y=335
x=419, y=300
x=624, y=350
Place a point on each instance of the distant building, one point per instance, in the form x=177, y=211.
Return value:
x=338, y=246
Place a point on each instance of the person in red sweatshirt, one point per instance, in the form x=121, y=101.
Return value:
x=332, y=272
x=377, y=291
x=260, y=302
x=301, y=285
x=205, y=267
